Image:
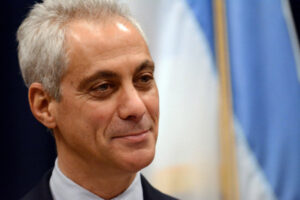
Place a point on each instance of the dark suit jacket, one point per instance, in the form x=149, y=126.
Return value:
x=42, y=191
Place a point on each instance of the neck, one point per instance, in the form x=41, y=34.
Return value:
x=105, y=183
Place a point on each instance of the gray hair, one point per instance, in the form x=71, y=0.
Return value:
x=41, y=36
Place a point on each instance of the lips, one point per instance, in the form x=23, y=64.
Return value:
x=133, y=137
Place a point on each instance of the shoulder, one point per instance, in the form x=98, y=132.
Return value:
x=150, y=193
x=41, y=191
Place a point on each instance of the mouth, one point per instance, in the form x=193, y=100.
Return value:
x=136, y=137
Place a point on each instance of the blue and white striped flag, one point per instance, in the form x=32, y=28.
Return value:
x=265, y=80
x=266, y=98
x=181, y=43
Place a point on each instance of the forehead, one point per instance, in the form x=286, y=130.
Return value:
x=91, y=45
x=102, y=37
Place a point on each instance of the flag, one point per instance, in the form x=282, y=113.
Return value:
x=180, y=36
x=266, y=98
x=265, y=83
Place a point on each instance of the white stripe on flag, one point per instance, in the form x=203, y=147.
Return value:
x=253, y=184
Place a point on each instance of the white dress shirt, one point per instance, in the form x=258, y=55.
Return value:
x=62, y=188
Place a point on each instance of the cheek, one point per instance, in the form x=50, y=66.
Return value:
x=152, y=103
x=99, y=116
x=154, y=108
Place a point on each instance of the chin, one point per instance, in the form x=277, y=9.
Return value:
x=137, y=160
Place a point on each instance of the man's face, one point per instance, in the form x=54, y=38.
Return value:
x=108, y=112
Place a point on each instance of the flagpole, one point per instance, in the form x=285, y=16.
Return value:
x=228, y=167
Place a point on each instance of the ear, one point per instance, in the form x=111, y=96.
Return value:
x=41, y=105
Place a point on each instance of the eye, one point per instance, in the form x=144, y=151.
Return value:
x=102, y=90
x=103, y=87
x=144, y=80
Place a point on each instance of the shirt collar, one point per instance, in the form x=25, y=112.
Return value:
x=63, y=188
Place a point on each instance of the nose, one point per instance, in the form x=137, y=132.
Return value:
x=131, y=105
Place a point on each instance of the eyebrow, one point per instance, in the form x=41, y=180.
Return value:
x=147, y=64
x=98, y=75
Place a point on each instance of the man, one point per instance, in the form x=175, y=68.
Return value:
x=90, y=79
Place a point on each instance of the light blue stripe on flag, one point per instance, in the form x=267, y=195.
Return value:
x=266, y=90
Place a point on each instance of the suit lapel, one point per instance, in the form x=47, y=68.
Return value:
x=42, y=190
x=150, y=193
